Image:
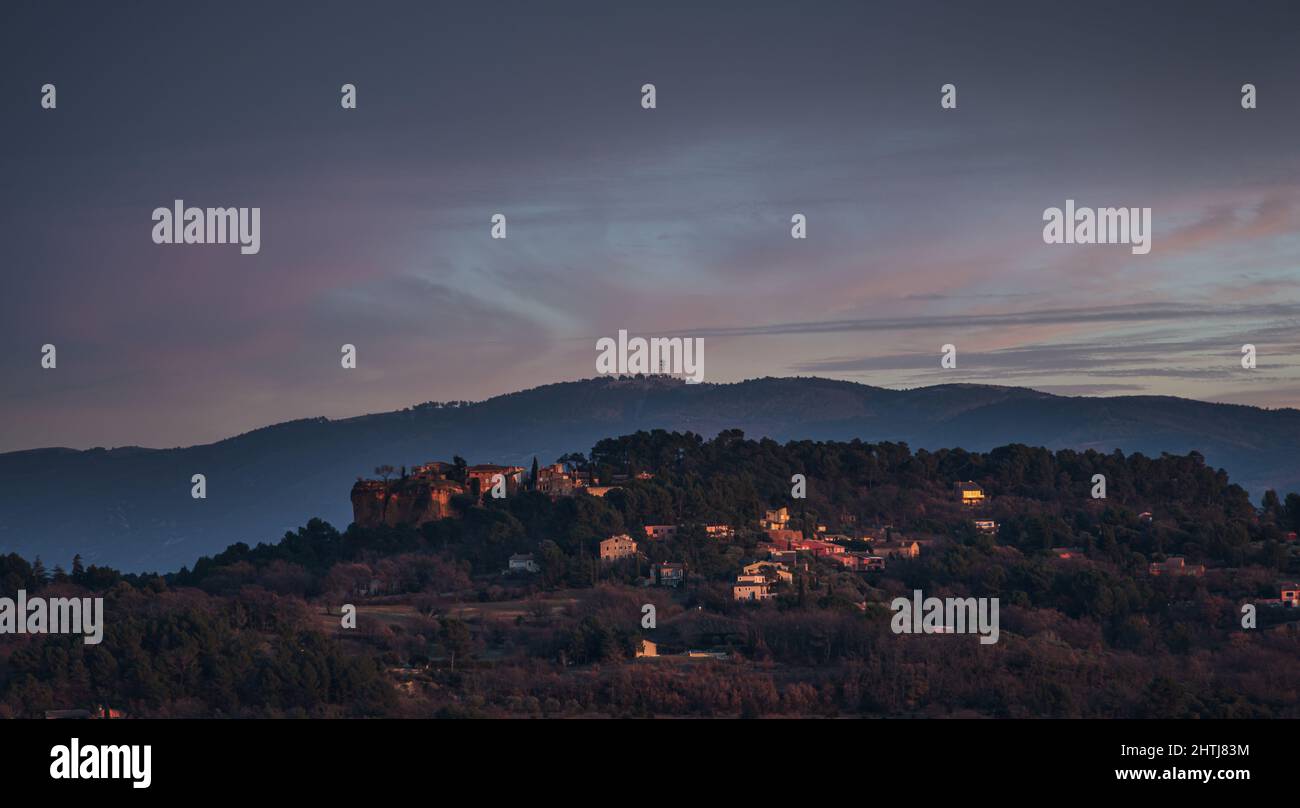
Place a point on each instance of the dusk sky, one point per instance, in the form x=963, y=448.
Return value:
x=924, y=225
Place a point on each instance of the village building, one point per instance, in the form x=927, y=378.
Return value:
x=617, y=547
x=555, y=481
x=697, y=653
x=481, y=478
x=647, y=648
x=859, y=562
x=819, y=548
x=751, y=590
x=670, y=573
x=1175, y=565
x=899, y=548
x=1067, y=552
x=986, y=526
x=787, y=557
x=969, y=494
x=1290, y=595
x=869, y=563
x=660, y=532
x=523, y=563
x=434, y=470
x=775, y=520
x=769, y=569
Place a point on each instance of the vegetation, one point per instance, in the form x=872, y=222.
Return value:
x=256, y=631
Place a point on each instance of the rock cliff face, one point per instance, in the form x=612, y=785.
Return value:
x=402, y=502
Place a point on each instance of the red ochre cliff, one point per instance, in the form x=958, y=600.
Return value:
x=405, y=501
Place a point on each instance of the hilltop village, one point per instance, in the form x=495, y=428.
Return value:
x=777, y=545
x=428, y=492
x=667, y=574
x=425, y=492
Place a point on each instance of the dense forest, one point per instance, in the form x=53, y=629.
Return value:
x=256, y=630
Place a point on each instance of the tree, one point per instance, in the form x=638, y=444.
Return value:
x=1293, y=511
x=1272, y=506
x=38, y=571
x=78, y=569
x=455, y=638
x=573, y=461
x=534, y=475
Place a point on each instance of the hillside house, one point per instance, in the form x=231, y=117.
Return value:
x=521, y=563
x=1175, y=565
x=556, y=481
x=969, y=494
x=775, y=520
x=434, y=470
x=751, y=590
x=1290, y=595
x=901, y=548
x=785, y=557
x=821, y=549
x=482, y=477
x=670, y=573
x=617, y=547
x=769, y=569
x=869, y=563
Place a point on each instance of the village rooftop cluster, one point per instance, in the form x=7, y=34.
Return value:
x=424, y=493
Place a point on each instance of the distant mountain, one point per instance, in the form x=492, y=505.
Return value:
x=131, y=507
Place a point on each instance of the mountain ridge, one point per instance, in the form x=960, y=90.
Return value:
x=130, y=507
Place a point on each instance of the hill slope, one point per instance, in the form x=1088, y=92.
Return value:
x=131, y=507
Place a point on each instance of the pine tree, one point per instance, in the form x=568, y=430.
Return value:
x=38, y=571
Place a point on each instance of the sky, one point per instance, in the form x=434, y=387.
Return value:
x=924, y=225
